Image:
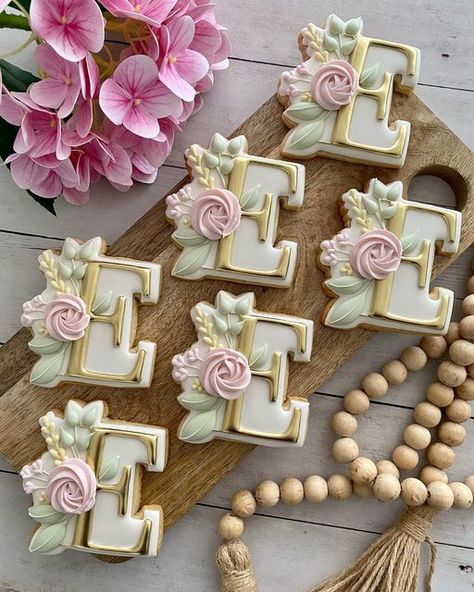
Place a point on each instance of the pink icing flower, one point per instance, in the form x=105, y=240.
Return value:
x=66, y=318
x=376, y=254
x=152, y=12
x=33, y=310
x=334, y=84
x=225, y=373
x=215, y=213
x=72, y=28
x=71, y=487
x=31, y=472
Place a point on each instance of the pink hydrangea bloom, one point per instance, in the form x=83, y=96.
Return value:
x=72, y=28
x=153, y=12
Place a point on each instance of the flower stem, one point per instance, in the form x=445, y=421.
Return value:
x=14, y=21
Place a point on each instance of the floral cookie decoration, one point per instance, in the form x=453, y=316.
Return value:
x=226, y=224
x=322, y=95
x=236, y=369
x=76, y=298
x=90, y=460
x=380, y=266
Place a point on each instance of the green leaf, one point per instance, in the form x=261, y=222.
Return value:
x=235, y=145
x=236, y=327
x=225, y=302
x=15, y=78
x=388, y=211
x=227, y=165
x=69, y=249
x=80, y=271
x=102, y=303
x=336, y=25
x=48, y=538
x=243, y=305
x=249, y=198
x=345, y=311
x=45, y=514
x=259, y=357
x=197, y=427
x=219, y=324
x=370, y=204
x=348, y=46
x=379, y=189
x=211, y=160
x=411, y=242
x=306, y=136
x=192, y=259
x=65, y=270
x=304, y=111
x=83, y=440
x=72, y=413
x=347, y=284
x=353, y=27
x=48, y=367
x=67, y=438
x=395, y=192
x=195, y=401
x=188, y=237
x=44, y=345
x=109, y=469
x=218, y=144
x=89, y=416
x=330, y=44
x=369, y=76
x=90, y=248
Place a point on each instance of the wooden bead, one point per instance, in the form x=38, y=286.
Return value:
x=434, y=346
x=386, y=487
x=466, y=389
x=339, y=487
x=387, y=466
x=440, y=455
x=243, y=503
x=440, y=495
x=316, y=489
x=466, y=327
x=451, y=374
x=427, y=414
x=429, y=474
x=363, y=471
x=417, y=436
x=439, y=394
x=468, y=305
x=267, y=493
x=405, y=457
x=470, y=370
x=395, y=372
x=363, y=491
x=462, y=495
x=356, y=402
x=231, y=527
x=343, y=423
x=291, y=491
x=459, y=411
x=414, y=358
x=414, y=492
x=470, y=483
x=453, y=333
x=462, y=352
x=470, y=285
x=345, y=450
x=375, y=385
x=451, y=433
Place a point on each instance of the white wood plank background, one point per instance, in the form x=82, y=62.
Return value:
x=293, y=548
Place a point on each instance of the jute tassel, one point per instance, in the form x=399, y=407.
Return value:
x=392, y=563
x=235, y=567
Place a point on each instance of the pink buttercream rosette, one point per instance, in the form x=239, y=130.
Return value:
x=334, y=85
x=376, y=254
x=215, y=213
x=66, y=318
x=225, y=373
x=71, y=487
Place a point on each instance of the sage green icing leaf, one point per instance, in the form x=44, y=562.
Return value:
x=353, y=27
x=249, y=198
x=69, y=248
x=243, y=305
x=346, y=310
x=109, y=469
x=45, y=514
x=192, y=259
x=89, y=416
x=336, y=25
x=219, y=324
x=370, y=204
x=306, y=136
x=80, y=271
x=211, y=160
x=379, y=190
x=348, y=46
x=347, y=284
x=411, y=242
x=48, y=367
x=67, y=438
x=198, y=426
x=195, y=401
x=225, y=302
x=235, y=145
x=64, y=270
x=227, y=165
x=218, y=143
x=330, y=43
x=388, y=211
x=259, y=357
x=236, y=327
x=369, y=76
x=83, y=440
x=394, y=193
x=188, y=237
x=48, y=538
x=304, y=111
x=44, y=345
x=88, y=249
x=72, y=415
x=102, y=303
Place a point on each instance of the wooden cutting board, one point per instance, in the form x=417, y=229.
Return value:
x=193, y=470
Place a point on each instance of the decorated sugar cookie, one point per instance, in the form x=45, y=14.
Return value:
x=226, y=218
x=86, y=486
x=84, y=322
x=234, y=378
x=380, y=266
x=339, y=101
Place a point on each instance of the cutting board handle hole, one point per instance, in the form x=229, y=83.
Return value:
x=439, y=185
